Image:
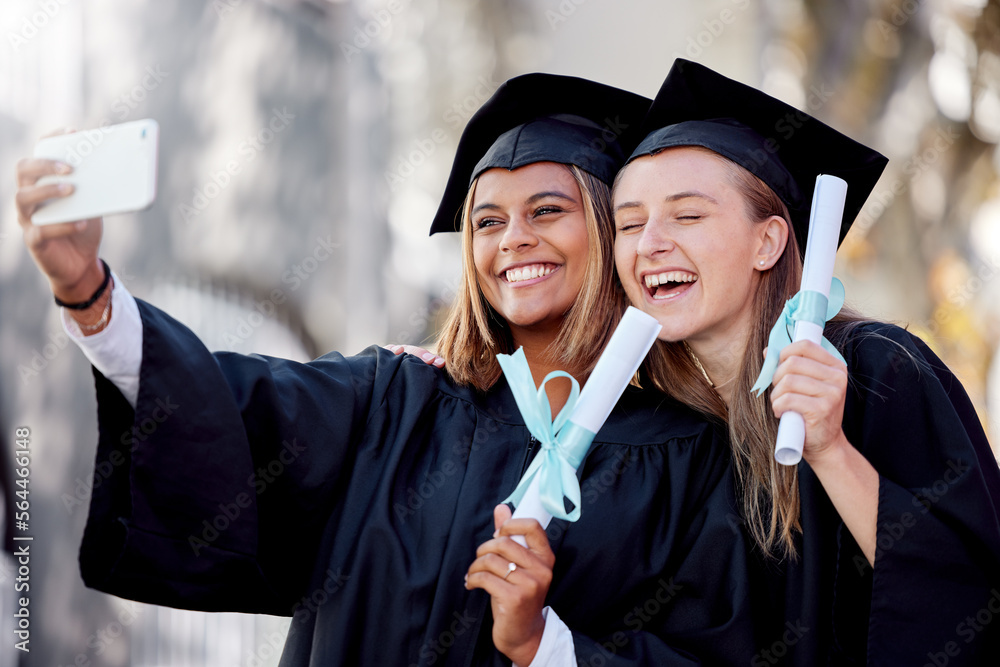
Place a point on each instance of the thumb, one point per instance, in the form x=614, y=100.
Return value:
x=500, y=515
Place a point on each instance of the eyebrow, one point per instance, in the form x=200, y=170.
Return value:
x=551, y=193
x=531, y=200
x=627, y=204
x=687, y=194
x=692, y=193
x=487, y=205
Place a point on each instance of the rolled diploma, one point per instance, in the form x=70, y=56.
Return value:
x=628, y=346
x=817, y=274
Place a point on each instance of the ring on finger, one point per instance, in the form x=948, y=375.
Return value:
x=510, y=568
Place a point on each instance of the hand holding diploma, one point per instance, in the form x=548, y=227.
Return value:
x=804, y=316
x=551, y=477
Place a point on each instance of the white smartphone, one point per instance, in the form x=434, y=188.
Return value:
x=114, y=171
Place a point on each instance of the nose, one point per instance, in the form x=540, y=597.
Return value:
x=518, y=235
x=655, y=239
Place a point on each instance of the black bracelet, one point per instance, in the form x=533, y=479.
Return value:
x=84, y=305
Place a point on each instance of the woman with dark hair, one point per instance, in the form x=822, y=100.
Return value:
x=352, y=492
x=883, y=546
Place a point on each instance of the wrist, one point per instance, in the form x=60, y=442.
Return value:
x=831, y=457
x=525, y=653
x=83, y=288
x=94, y=313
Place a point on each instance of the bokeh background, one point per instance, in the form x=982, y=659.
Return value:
x=342, y=118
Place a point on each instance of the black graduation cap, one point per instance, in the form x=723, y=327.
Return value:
x=543, y=118
x=784, y=147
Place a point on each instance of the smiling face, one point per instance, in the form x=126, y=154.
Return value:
x=529, y=244
x=685, y=250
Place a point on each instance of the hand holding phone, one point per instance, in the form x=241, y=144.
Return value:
x=114, y=171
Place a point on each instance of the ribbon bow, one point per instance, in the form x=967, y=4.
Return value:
x=564, y=443
x=807, y=306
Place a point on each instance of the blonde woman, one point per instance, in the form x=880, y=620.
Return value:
x=883, y=545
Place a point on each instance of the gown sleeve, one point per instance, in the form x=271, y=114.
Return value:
x=214, y=491
x=934, y=585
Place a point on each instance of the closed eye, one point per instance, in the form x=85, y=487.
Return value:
x=631, y=225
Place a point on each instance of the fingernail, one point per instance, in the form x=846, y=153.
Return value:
x=63, y=168
x=466, y=578
x=427, y=356
x=496, y=532
x=65, y=187
x=439, y=361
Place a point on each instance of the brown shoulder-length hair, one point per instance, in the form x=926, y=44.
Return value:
x=769, y=491
x=474, y=333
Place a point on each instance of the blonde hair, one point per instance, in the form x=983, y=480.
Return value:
x=474, y=333
x=769, y=491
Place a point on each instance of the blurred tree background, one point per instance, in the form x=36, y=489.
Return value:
x=305, y=144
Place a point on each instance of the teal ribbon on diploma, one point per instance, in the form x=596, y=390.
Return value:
x=806, y=306
x=564, y=444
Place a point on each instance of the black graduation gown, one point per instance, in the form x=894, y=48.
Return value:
x=352, y=493
x=937, y=563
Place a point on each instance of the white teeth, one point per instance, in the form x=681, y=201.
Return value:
x=528, y=272
x=670, y=277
